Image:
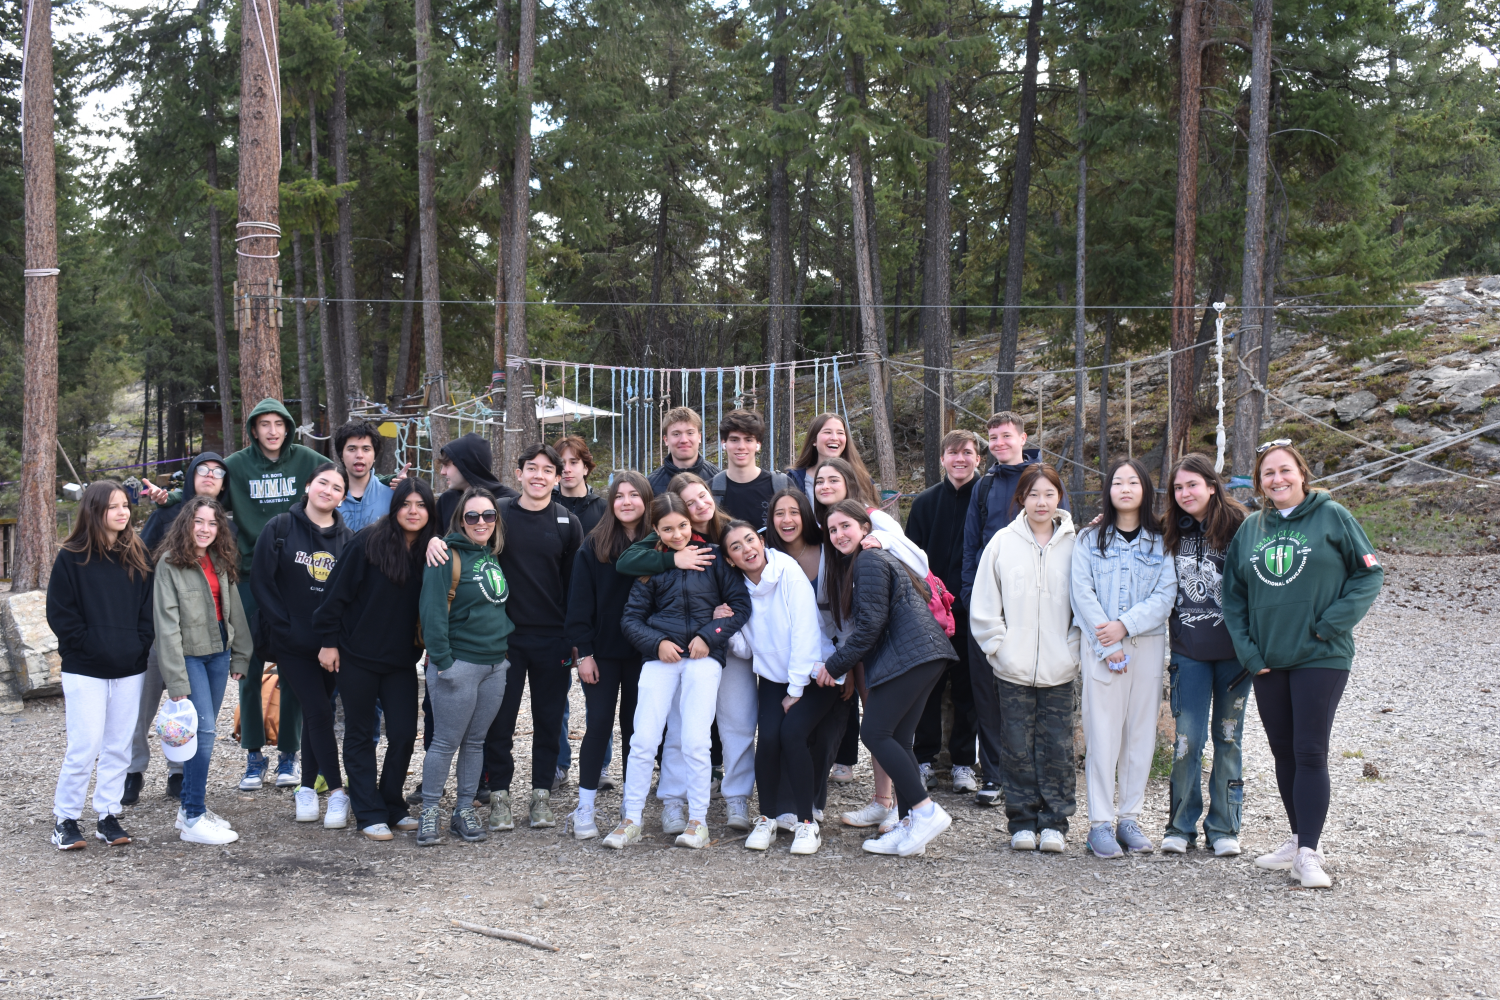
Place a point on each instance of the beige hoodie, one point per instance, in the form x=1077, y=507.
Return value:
x=1020, y=613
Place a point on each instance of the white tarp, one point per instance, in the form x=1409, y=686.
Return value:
x=553, y=409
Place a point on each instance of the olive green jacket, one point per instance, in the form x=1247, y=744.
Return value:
x=186, y=624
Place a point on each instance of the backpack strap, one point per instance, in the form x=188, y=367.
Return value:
x=457, y=562
x=779, y=481
x=719, y=486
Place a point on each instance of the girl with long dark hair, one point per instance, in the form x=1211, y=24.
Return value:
x=1123, y=588
x=828, y=437
x=367, y=630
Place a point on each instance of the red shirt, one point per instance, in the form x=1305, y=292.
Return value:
x=207, y=565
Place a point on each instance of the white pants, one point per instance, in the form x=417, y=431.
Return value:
x=101, y=718
x=1119, y=723
x=694, y=686
x=736, y=714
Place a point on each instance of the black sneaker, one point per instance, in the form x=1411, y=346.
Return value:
x=111, y=832
x=174, y=786
x=66, y=836
x=466, y=824
x=132, y=794
x=988, y=794
x=427, y=828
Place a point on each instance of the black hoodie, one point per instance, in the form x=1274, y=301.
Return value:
x=160, y=521
x=366, y=615
x=101, y=614
x=290, y=576
x=469, y=454
x=589, y=508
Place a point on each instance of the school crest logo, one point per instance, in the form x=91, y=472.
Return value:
x=318, y=564
x=1280, y=558
x=491, y=581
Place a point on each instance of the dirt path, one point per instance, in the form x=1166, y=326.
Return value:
x=293, y=911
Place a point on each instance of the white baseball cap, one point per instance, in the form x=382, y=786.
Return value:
x=177, y=728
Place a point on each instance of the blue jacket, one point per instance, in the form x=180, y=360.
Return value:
x=374, y=505
x=995, y=492
x=1133, y=583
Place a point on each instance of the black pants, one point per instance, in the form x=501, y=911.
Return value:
x=891, y=715
x=987, y=714
x=929, y=738
x=819, y=711
x=848, y=747
x=377, y=795
x=1040, y=779
x=540, y=659
x=773, y=778
x=619, y=680
x=1297, y=709
x=314, y=689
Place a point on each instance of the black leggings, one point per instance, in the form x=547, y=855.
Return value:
x=891, y=715
x=1296, y=710
x=314, y=688
x=848, y=749
x=618, y=679
x=819, y=711
x=376, y=795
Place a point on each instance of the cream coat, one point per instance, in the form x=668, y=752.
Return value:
x=1020, y=613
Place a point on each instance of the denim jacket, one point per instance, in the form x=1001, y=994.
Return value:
x=1131, y=582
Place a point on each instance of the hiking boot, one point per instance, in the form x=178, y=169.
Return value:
x=466, y=824
x=427, y=828
x=541, y=809
x=500, y=817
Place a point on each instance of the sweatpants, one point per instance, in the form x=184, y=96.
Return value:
x=152, y=688
x=1039, y=777
x=1119, y=725
x=988, y=717
x=100, y=716
x=818, y=710
x=1297, y=709
x=376, y=795
x=619, y=680
x=465, y=698
x=314, y=687
x=252, y=726
x=736, y=717
x=695, y=685
x=929, y=737
x=891, y=715
x=540, y=660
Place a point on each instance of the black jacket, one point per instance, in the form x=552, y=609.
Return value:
x=589, y=508
x=936, y=525
x=366, y=615
x=596, y=605
x=470, y=454
x=893, y=629
x=679, y=604
x=161, y=519
x=663, y=476
x=101, y=615
x=293, y=561
x=1197, y=620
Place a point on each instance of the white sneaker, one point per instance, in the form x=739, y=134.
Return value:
x=673, y=817
x=1280, y=859
x=806, y=840
x=890, y=841
x=207, y=814
x=378, y=831
x=787, y=822
x=737, y=808
x=1053, y=842
x=626, y=833
x=695, y=835
x=817, y=815
x=583, y=824
x=1308, y=867
x=923, y=830
x=763, y=836
x=1227, y=847
x=307, y=805
x=963, y=779
x=1023, y=840
x=205, y=831
x=841, y=773
x=929, y=780
x=337, y=816
x=605, y=781
x=1173, y=844
x=872, y=813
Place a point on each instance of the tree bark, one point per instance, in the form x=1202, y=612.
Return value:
x=206, y=83
x=1250, y=343
x=1109, y=336
x=521, y=422
x=380, y=324
x=338, y=123
x=1185, y=236
x=328, y=339
x=257, y=245
x=432, y=327
x=36, y=524
x=502, y=227
x=1020, y=193
x=804, y=227
x=937, y=292
x=408, y=294
x=308, y=402
x=779, y=334
x=1080, y=259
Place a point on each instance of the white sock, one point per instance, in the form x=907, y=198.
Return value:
x=586, y=799
x=925, y=811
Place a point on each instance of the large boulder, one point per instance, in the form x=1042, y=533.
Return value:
x=31, y=665
x=1354, y=405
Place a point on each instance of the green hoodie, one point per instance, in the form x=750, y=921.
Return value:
x=474, y=629
x=1295, y=586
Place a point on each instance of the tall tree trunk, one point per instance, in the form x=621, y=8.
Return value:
x=937, y=264
x=963, y=261
x=779, y=245
x=521, y=422
x=1185, y=236
x=1080, y=259
x=804, y=227
x=502, y=226
x=1251, y=344
x=432, y=326
x=408, y=296
x=206, y=84
x=307, y=402
x=36, y=525
x=258, y=242
x=380, y=323
x=328, y=340
x=338, y=123
x=1109, y=336
x=1020, y=193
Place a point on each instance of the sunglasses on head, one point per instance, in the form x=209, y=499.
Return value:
x=207, y=470
x=1278, y=443
x=475, y=516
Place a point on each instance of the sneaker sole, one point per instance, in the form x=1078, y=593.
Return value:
x=587, y=834
x=208, y=843
x=380, y=837
x=341, y=825
x=805, y=853
x=544, y=824
x=468, y=839
x=741, y=825
x=502, y=828
x=1049, y=849
x=1104, y=857
x=1273, y=866
x=287, y=781
x=986, y=801
x=71, y=847
x=251, y=786
x=429, y=843
x=947, y=822
x=691, y=845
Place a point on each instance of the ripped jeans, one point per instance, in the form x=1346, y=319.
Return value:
x=1203, y=705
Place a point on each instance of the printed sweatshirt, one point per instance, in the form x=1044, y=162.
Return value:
x=290, y=577
x=1197, y=623
x=475, y=628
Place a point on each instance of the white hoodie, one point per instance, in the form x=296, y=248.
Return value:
x=1021, y=613
x=783, y=636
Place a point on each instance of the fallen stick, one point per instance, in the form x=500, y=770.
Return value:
x=496, y=932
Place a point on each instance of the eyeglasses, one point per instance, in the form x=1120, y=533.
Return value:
x=1278, y=443
x=475, y=516
x=215, y=471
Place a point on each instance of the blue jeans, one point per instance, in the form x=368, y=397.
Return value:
x=208, y=676
x=1200, y=694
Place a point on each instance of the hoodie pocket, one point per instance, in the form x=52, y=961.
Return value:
x=112, y=649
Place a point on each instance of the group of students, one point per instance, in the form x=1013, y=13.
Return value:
x=747, y=629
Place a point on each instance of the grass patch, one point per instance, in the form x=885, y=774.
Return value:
x=1428, y=519
x=1354, y=753
x=1161, y=761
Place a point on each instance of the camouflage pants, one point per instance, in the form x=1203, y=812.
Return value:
x=1036, y=755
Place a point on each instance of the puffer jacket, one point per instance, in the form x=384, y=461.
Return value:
x=679, y=604
x=893, y=630
x=1133, y=583
x=1022, y=616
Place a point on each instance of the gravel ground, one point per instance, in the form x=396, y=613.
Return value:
x=293, y=910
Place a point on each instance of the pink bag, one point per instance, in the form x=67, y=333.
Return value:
x=941, y=604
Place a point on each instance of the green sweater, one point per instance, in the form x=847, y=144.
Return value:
x=1295, y=586
x=475, y=628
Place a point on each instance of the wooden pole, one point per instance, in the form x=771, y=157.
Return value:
x=36, y=525
x=436, y=387
x=1185, y=236
x=1080, y=326
x=258, y=233
x=1251, y=341
x=520, y=415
